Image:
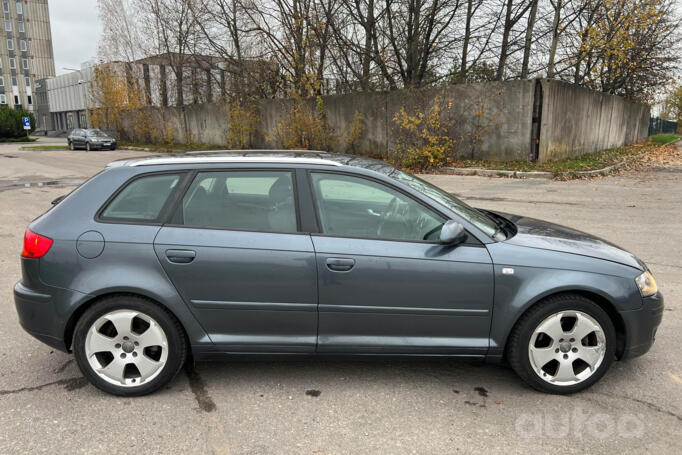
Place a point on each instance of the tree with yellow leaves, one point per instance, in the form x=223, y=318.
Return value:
x=627, y=47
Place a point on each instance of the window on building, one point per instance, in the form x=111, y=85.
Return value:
x=22, y=45
x=20, y=8
x=10, y=44
x=20, y=26
x=14, y=81
x=16, y=100
x=12, y=63
x=2, y=81
x=8, y=26
x=30, y=100
x=25, y=62
x=28, y=81
x=3, y=98
x=5, y=6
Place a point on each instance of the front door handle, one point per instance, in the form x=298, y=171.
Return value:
x=181, y=256
x=340, y=264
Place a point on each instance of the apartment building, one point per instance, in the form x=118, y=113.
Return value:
x=26, y=52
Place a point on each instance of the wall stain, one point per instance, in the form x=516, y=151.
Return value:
x=313, y=393
x=198, y=386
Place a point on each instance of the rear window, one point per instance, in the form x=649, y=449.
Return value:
x=142, y=199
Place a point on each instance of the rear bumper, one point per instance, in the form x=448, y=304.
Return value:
x=39, y=314
x=641, y=326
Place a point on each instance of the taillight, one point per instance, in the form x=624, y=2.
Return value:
x=35, y=246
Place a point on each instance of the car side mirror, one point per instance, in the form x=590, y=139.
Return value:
x=452, y=233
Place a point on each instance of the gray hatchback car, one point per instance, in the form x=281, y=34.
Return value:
x=212, y=255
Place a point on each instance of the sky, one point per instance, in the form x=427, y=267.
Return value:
x=75, y=32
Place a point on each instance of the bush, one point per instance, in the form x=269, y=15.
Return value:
x=306, y=127
x=424, y=137
x=11, y=125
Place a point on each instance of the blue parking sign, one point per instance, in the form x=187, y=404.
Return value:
x=27, y=122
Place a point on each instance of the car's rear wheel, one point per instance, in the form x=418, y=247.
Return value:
x=128, y=345
x=563, y=345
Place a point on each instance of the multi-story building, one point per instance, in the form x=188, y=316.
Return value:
x=26, y=52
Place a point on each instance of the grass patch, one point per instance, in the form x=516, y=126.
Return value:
x=45, y=147
x=587, y=162
x=18, y=139
x=172, y=148
x=664, y=138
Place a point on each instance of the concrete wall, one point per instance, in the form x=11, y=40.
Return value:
x=487, y=121
x=576, y=120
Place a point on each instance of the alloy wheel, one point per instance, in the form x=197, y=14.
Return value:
x=126, y=348
x=567, y=348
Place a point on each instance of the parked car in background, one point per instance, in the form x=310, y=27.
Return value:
x=157, y=260
x=91, y=139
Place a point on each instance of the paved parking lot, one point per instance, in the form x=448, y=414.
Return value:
x=351, y=407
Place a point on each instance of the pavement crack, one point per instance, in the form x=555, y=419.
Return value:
x=69, y=385
x=198, y=386
x=648, y=404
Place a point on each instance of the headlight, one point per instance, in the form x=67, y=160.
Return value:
x=646, y=284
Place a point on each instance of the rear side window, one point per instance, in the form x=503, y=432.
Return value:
x=244, y=200
x=142, y=199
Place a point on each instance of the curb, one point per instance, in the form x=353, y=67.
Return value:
x=545, y=174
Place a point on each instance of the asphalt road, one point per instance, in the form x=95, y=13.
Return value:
x=353, y=407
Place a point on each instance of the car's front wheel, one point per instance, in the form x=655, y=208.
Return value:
x=87, y=147
x=563, y=345
x=71, y=146
x=128, y=345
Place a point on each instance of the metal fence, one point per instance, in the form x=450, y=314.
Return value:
x=658, y=125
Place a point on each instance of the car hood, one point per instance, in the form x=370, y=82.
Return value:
x=549, y=236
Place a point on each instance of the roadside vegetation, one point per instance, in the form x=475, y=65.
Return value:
x=44, y=147
x=664, y=138
x=587, y=162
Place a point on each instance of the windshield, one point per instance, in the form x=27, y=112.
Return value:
x=96, y=133
x=478, y=219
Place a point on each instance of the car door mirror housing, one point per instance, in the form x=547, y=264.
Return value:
x=452, y=233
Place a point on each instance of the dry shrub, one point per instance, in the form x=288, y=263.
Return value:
x=306, y=126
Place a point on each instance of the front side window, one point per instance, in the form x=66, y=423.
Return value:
x=142, y=199
x=243, y=200
x=358, y=207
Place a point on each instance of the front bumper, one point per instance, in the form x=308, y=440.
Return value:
x=101, y=146
x=641, y=326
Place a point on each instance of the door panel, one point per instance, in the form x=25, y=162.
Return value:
x=403, y=297
x=251, y=291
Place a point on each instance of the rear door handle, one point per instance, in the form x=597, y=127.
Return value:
x=340, y=264
x=181, y=256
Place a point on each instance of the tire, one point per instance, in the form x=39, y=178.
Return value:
x=71, y=146
x=87, y=147
x=547, y=363
x=113, y=147
x=98, y=345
